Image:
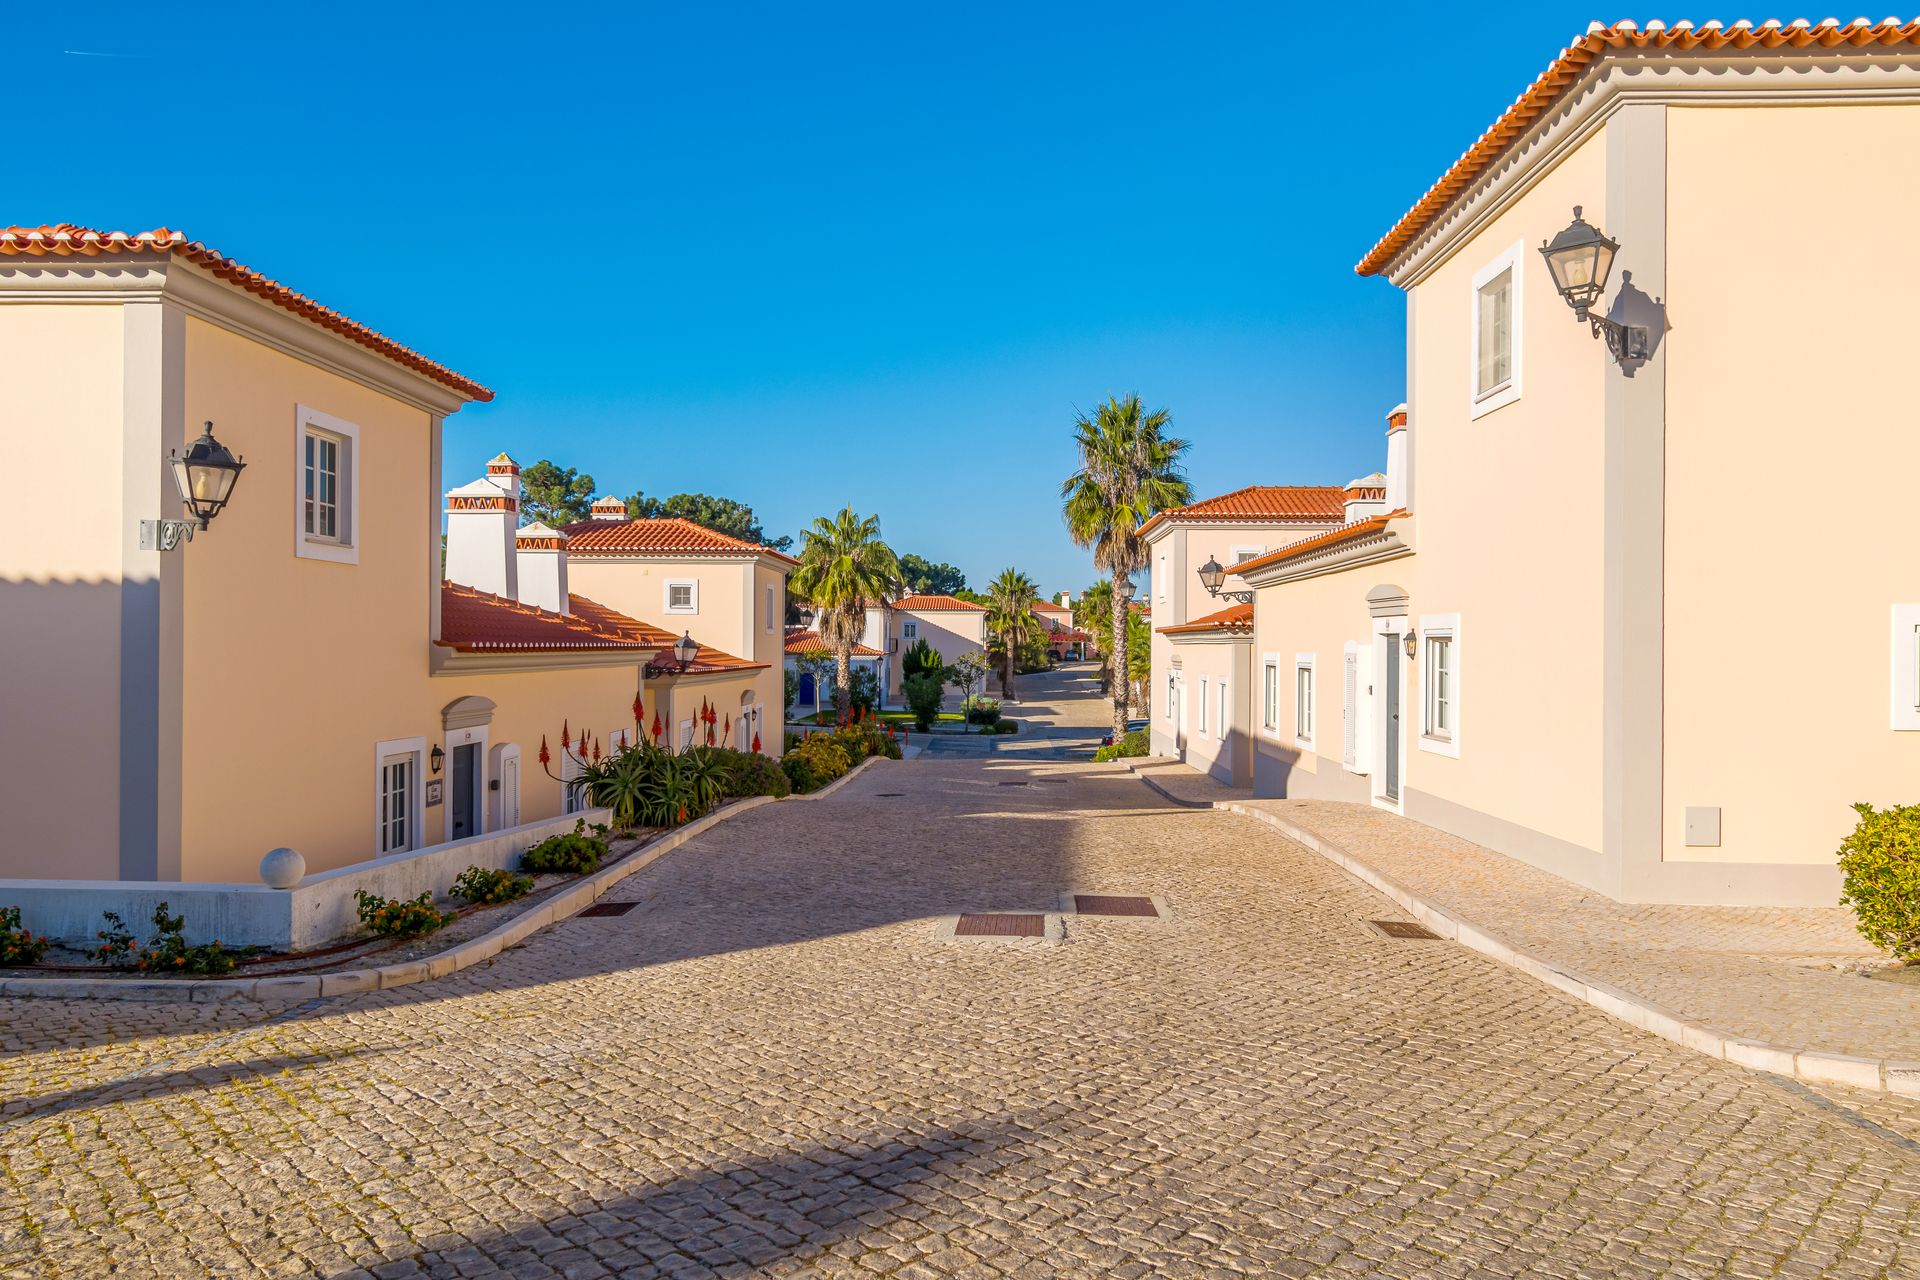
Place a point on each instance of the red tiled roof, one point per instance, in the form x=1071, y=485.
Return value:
x=64, y=240
x=1572, y=65
x=801, y=641
x=1233, y=619
x=1331, y=538
x=476, y=621
x=936, y=604
x=662, y=537
x=1262, y=504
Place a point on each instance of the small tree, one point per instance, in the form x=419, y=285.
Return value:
x=817, y=663
x=1881, y=865
x=924, y=691
x=968, y=671
x=921, y=657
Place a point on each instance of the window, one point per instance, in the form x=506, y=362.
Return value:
x=909, y=629
x=1906, y=666
x=1270, y=695
x=326, y=482
x=396, y=804
x=1440, y=684
x=1350, y=714
x=683, y=597
x=396, y=794
x=1303, y=699
x=1220, y=725
x=769, y=607
x=1243, y=554
x=1202, y=726
x=1496, y=332
x=1160, y=578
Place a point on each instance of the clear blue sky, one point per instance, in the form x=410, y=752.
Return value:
x=809, y=255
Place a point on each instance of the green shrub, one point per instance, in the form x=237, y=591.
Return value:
x=17, y=945
x=789, y=742
x=748, y=773
x=1134, y=743
x=486, y=887
x=924, y=694
x=1006, y=726
x=864, y=738
x=402, y=918
x=166, y=952
x=1105, y=752
x=814, y=763
x=978, y=708
x=574, y=853
x=1881, y=865
x=923, y=658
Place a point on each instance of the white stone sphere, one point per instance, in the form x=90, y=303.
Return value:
x=283, y=868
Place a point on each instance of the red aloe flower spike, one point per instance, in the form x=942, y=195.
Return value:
x=566, y=736
x=596, y=751
x=656, y=726
x=756, y=744
x=544, y=756
x=639, y=710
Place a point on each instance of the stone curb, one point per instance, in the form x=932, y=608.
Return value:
x=293, y=987
x=1878, y=1074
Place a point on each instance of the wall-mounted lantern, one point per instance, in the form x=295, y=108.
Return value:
x=1412, y=644
x=436, y=757
x=1123, y=587
x=205, y=475
x=1212, y=574
x=676, y=659
x=1580, y=259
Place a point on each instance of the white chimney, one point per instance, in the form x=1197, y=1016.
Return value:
x=542, y=555
x=1066, y=599
x=1366, y=497
x=481, y=518
x=1399, y=462
x=608, y=509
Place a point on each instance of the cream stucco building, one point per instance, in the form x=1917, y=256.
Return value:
x=299, y=673
x=1611, y=622
x=1200, y=690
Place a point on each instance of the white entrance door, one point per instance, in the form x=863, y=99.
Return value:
x=510, y=791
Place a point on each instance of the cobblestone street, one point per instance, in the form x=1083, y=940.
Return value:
x=772, y=1066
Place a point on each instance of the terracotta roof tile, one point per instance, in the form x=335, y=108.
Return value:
x=64, y=240
x=936, y=604
x=803, y=641
x=1233, y=619
x=1262, y=504
x=1572, y=65
x=661, y=537
x=1331, y=538
x=475, y=621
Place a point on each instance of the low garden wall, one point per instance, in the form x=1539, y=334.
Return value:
x=316, y=911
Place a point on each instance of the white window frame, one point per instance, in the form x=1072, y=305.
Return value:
x=1270, y=694
x=769, y=599
x=1206, y=692
x=384, y=751
x=1221, y=725
x=1160, y=578
x=344, y=549
x=497, y=757
x=686, y=735
x=1906, y=666
x=1439, y=626
x=693, y=595
x=1480, y=403
x=1243, y=554
x=909, y=631
x=1356, y=659
x=1305, y=726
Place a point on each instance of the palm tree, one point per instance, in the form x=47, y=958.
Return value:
x=1010, y=618
x=1093, y=613
x=844, y=568
x=1129, y=469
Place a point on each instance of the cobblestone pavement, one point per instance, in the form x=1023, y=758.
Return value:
x=1750, y=971
x=1061, y=713
x=772, y=1067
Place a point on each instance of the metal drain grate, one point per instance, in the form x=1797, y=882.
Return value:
x=607, y=909
x=1403, y=929
x=1102, y=904
x=1000, y=925
x=1016, y=784
x=889, y=795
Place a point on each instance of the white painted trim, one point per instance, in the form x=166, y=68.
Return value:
x=1310, y=664
x=1356, y=759
x=346, y=550
x=1905, y=648
x=1206, y=693
x=693, y=592
x=477, y=736
x=1481, y=403
x=417, y=748
x=1387, y=639
x=1269, y=727
x=497, y=817
x=1445, y=626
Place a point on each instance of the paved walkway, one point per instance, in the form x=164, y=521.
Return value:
x=1061, y=716
x=773, y=1067
x=1749, y=972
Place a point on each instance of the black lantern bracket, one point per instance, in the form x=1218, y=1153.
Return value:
x=165, y=535
x=1212, y=574
x=1624, y=341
